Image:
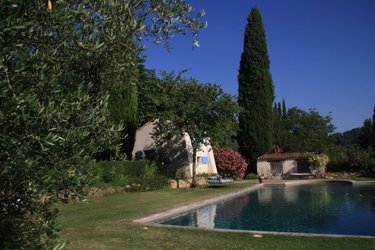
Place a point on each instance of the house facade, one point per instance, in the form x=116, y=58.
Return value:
x=175, y=156
x=276, y=165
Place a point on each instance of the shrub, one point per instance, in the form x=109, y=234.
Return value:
x=351, y=159
x=251, y=176
x=362, y=161
x=338, y=158
x=229, y=163
x=318, y=163
x=110, y=170
x=145, y=183
x=131, y=175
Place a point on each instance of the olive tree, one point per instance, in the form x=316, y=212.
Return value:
x=57, y=67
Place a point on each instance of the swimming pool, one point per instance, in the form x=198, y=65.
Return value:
x=322, y=208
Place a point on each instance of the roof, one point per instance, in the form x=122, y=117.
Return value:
x=282, y=156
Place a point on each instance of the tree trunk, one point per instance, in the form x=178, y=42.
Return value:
x=193, y=182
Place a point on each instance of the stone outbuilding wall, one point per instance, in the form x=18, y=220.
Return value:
x=280, y=164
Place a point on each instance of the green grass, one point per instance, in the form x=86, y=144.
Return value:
x=105, y=223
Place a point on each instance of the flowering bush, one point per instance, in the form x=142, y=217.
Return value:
x=318, y=163
x=229, y=163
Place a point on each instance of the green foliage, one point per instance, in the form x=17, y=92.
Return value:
x=56, y=69
x=303, y=131
x=255, y=91
x=351, y=159
x=338, y=158
x=360, y=160
x=365, y=136
x=367, y=133
x=251, y=176
x=131, y=175
x=123, y=96
x=202, y=175
x=367, y=162
x=317, y=163
x=51, y=124
x=123, y=106
x=284, y=109
x=281, y=133
x=348, y=138
x=187, y=106
x=158, y=95
x=110, y=171
x=148, y=95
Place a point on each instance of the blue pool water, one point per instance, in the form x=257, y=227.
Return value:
x=324, y=208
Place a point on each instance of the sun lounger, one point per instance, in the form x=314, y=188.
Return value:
x=218, y=180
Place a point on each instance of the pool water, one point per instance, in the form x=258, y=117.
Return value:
x=324, y=208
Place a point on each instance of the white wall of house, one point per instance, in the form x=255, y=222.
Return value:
x=204, y=158
x=206, y=161
x=143, y=139
x=184, y=159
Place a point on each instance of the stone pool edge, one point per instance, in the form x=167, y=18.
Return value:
x=254, y=232
x=179, y=210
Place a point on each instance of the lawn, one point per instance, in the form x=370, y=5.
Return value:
x=105, y=223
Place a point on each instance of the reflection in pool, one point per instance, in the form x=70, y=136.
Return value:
x=324, y=208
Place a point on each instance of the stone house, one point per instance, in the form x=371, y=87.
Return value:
x=175, y=156
x=276, y=165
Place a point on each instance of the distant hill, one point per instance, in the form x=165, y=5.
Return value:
x=348, y=138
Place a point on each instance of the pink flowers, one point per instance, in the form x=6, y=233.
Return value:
x=229, y=163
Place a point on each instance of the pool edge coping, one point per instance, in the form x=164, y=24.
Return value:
x=181, y=209
x=255, y=232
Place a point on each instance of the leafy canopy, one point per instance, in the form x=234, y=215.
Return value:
x=56, y=69
x=301, y=131
x=187, y=106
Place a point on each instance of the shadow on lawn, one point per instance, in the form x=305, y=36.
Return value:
x=216, y=186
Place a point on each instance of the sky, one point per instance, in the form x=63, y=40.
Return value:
x=322, y=53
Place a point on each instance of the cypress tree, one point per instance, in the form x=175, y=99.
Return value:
x=373, y=129
x=123, y=98
x=284, y=108
x=280, y=112
x=255, y=91
x=275, y=108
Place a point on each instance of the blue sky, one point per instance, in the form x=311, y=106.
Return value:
x=322, y=53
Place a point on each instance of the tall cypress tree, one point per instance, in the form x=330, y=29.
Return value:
x=284, y=108
x=279, y=110
x=373, y=129
x=255, y=91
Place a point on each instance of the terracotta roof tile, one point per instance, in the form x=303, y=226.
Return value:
x=282, y=156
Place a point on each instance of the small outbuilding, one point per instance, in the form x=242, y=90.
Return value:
x=276, y=165
x=176, y=156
